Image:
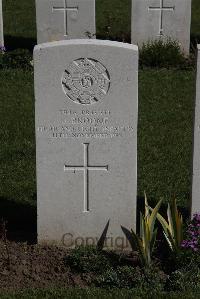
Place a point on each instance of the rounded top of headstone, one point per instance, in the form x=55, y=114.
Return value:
x=86, y=42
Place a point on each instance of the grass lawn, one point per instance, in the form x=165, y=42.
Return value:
x=195, y=26
x=17, y=151
x=166, y=101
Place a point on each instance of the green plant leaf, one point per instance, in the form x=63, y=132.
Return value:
x=135, y=243
x=179, y=229
x=170, y=216
x=129, y=237
x=145, y=242
x=101, y=241
x=146, y=212
x=173, y=229
x=169, y=240
x=153, y=239
x=140, y=248
x=153, y=216
x=162, y=221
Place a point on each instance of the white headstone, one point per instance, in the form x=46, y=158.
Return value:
x=155, y=19
x=86, y=139
x=65, y=19
x=196, y=151
x=1, y=26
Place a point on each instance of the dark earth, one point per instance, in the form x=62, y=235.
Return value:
x=28, y=266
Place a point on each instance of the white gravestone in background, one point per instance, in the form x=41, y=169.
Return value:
x=1, y=26
x=65, y=19
x=196, y=151
x=155, y=19
x=86, y=139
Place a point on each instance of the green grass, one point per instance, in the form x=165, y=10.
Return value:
x=113, y=19
x=91, y=293
x=19, y=18
x=17, y=151
x=166, y=103
x=195, y=25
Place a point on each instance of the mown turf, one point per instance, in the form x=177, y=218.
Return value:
x=113, y=19
x=166, y=104
x=17, y=150
x=195, y=24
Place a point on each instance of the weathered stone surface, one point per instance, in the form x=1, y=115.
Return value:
x=1, y=26
x=65, y=19
x=196, y=151
x=86, y=137
x=150, y=22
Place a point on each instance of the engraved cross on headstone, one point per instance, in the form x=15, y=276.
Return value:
x=161, y=10
x=65, y=9
x=86, y=168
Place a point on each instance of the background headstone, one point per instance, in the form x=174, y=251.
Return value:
x=196, y=151
x=65, y=19
x=1, y=26
x=86, y=139
x=154, y=19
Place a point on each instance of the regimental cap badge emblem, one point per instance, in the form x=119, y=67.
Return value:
x=86, y=81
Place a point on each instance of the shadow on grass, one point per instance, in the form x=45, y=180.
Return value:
x=14, y=42
x=21, y=220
